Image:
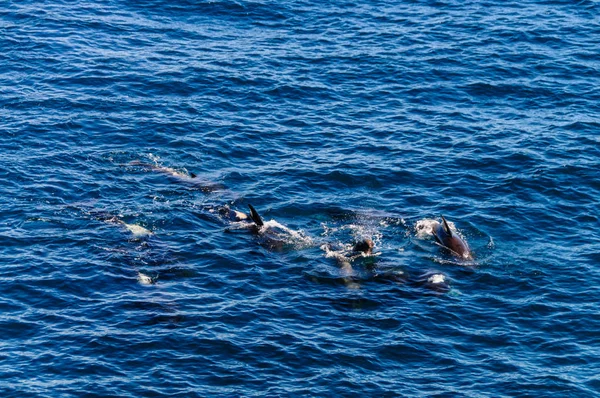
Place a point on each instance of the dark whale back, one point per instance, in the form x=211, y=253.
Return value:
x=270, y=237
x=446, y=238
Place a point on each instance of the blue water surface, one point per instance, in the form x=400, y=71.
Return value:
x=339, y=120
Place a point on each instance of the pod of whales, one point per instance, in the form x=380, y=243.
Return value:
x=274, y=235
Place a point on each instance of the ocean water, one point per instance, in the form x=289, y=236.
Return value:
x=338, y=121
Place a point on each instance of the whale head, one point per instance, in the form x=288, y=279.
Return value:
x=364, y=246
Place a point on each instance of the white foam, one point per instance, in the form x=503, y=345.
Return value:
x=424, y=227
x=167, y=170
x=137, y=230
x=327, y=230
x=436, y=278
x=386, y=222
x=235, y=225
x=338, y=255
x=298, y=238
x=174, y=173
x=144, y=279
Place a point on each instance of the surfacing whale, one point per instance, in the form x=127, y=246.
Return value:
x=434, y=281
x=233, y=215
x=137, y=231
x=274, y=235
x=344, y=258
x=451, y=241
x=189, y=178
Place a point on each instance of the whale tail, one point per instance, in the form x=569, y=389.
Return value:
x=255, y=217
x=447, y=227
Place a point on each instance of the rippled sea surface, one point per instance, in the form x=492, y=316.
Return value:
x=339, y=120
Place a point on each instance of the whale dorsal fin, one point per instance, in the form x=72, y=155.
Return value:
x=255, y=217
x=193, y=175
x=447, y=227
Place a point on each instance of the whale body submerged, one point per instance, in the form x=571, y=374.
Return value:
x=188, y=178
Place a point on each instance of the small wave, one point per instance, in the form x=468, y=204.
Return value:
x=297, y=239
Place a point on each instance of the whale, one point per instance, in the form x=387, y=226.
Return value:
x=233, y=215
x=256, y=218
x=451, y=241
x=434, y=281
x=185, y=177
x=137, y=232
x=346, y=256
x=275, y=236
x=364, y=246
x=271, y=236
